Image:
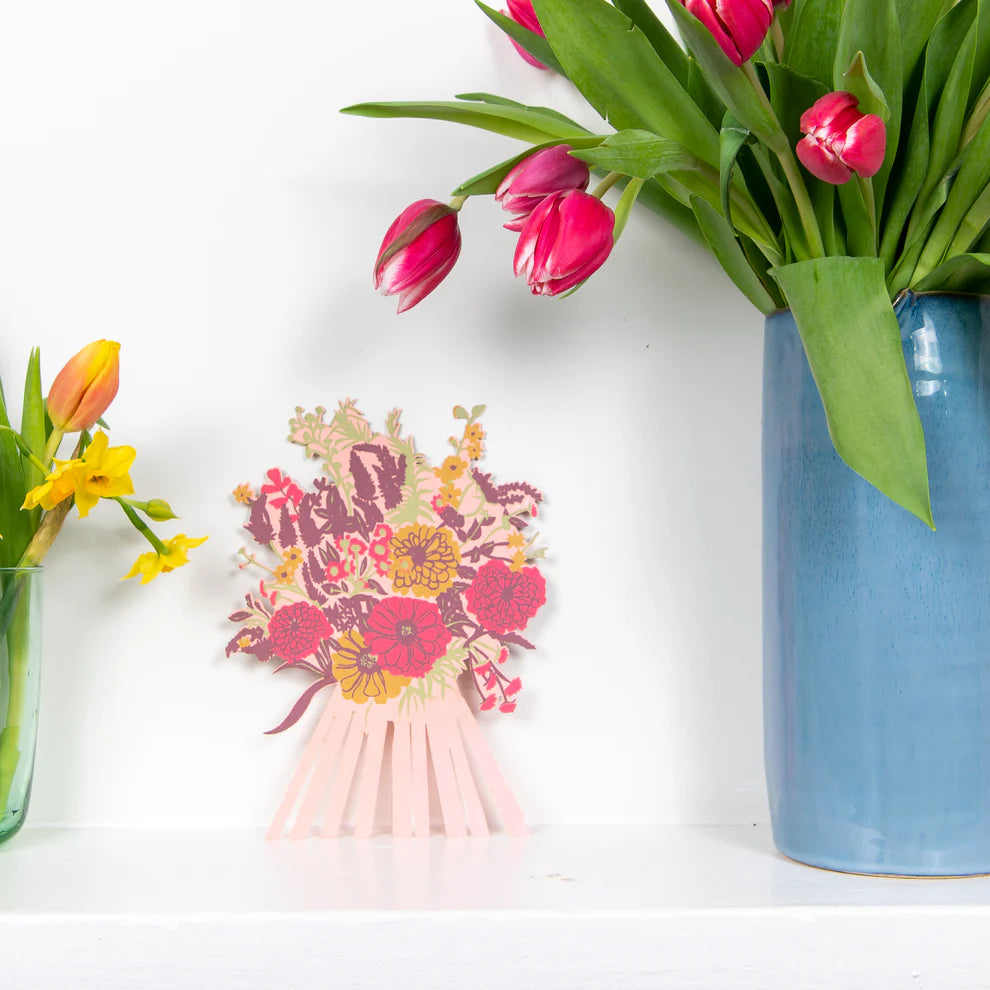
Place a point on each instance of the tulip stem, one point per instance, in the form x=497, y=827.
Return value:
x=51, y=448
x=457, y=202
x=777, y=35
x=866, y=188
x=792, y=173
x=603, y=187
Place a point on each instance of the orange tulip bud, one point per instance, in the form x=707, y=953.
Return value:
x=85, y=387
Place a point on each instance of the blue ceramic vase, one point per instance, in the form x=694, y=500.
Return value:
x=876, y=629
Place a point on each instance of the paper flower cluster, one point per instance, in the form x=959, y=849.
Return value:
x=389, y=576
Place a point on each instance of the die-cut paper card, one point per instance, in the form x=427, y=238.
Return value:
x=391, y=581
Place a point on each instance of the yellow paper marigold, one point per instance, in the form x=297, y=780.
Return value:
x=449, y=495
x=516, y=539
x=292, y=556
x=474, y=451
x=451, y=469
x=518, y=561
x=473, y=433
x=243, y=494
x=424, y=560
x=358, y=672
x=284, y=572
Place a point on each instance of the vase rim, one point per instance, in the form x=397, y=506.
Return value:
x=905, y=293
x=27, y=568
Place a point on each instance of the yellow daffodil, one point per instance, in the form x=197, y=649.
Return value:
x=150, y=565
x=56, y=487
x=104, y=473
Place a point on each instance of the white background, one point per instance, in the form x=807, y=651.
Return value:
x=178, y=178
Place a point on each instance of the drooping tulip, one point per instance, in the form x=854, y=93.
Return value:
x=739, y=26
x=418, y=252
x=85, y=387
x=565, y=240
x=538, y=176
x=840, y=140
x=521, y=11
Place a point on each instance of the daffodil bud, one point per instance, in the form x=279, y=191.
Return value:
x=85, y=387
x=159, y=510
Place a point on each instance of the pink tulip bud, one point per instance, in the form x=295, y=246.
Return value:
x=521, y=11
x=739, y=26
x=418, y=252
x=85, y=387
x=548, y=171
x=565, y=240
x=840, y=140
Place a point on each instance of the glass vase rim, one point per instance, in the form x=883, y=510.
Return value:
x=25, y=569
x=904, y=294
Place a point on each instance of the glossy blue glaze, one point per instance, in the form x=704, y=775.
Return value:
x=877, y=630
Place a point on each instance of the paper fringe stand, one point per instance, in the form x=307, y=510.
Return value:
x=392, y=579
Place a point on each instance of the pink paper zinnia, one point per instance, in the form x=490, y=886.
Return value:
x=505, y=600
x=407, y=635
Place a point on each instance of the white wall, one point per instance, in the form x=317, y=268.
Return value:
x=178, y=178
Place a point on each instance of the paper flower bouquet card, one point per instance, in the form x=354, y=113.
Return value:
x=398, y=585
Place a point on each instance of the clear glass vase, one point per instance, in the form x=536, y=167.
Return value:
x=20, y=674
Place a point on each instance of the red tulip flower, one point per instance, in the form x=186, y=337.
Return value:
x=538, y=176
x=418, y=252
x=739, y=26
x=840, y=140
x=85, y=387
x=521, y=11
x=565, y=240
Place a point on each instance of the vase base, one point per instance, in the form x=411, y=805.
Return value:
x=850, y=871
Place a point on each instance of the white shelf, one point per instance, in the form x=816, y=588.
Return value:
x=575, y=908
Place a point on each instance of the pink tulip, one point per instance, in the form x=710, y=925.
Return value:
x=533, y=179
x=521, y=11
x=418, y=252
x=840, y=140
x=565, y=240
x=739, y=26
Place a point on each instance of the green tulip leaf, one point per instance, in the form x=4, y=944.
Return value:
x=527, y=125
x=870, y=29
x=722, y=242
x=853, y=343
x=618, y=72
x=33, y=429
x=811, y=41
x=638, y=154
x=663, y=42
x=731, y=139
x=858, y=81
x=963, y=273
x=917, y=20
x=13, y=522
x=529, y=40
x=503, y=101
